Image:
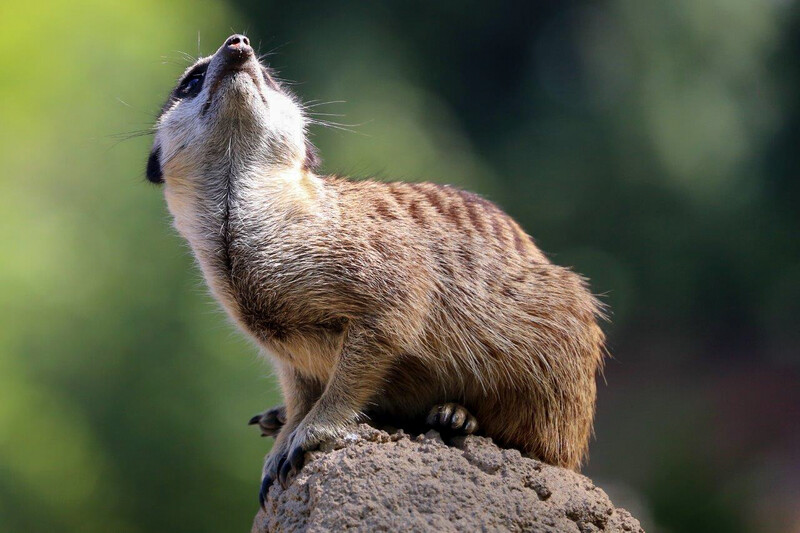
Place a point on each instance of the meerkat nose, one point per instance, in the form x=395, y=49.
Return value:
x=237, y=47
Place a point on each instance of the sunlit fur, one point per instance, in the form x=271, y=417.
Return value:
x=376, y=298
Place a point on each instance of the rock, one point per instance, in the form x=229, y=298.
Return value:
x=372, y=480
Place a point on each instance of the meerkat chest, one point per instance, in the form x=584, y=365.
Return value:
x=258, y=248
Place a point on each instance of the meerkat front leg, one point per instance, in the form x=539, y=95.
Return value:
x=300, y=393
x=357, y=376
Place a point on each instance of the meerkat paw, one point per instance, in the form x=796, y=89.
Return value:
x=452, y=418
x=289, y=455
x=305, y=438
x=271, y=421
x=270, y=474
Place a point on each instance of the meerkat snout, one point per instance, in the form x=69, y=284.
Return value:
x=237, y=49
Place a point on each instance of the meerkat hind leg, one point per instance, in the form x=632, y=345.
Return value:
x=270, y=421
x=452, y=418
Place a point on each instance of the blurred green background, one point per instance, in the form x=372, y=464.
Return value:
x=652, y=144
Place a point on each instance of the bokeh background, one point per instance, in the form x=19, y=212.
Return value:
x=651, y=144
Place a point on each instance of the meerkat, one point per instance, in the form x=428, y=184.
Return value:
x=401, y=301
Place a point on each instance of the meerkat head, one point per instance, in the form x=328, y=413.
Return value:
x=226, y=111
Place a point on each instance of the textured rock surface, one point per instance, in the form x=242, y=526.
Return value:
x=376, y=481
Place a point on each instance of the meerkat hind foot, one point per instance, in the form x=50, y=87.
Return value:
x=270, y=421
x=452, y=418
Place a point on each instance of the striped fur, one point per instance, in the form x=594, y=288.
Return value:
x=376, y=298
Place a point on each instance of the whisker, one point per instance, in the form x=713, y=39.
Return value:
x=285, y=81
x=131, y=134
x=274, y=50
x=173, y=61
x=187, y=56
x=126, y=104
x=339, y=126
x=318, y=114
x=271, y=52
x=316, y=103
x=330, y=122
x=127, y=136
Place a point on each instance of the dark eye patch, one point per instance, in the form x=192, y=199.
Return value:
x=197, y=71
x=192, y=83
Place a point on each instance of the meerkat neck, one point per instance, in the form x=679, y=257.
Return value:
x=277, y=189
x=279, y=177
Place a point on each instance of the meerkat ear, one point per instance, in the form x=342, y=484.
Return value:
x=154, y=166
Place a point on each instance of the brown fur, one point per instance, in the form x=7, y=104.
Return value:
x=380, y=299
x=449, y=299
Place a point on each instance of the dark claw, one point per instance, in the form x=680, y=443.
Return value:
x=459, y=417
x=297, y=458
x=266, y=483
x=254, y=420
x=283, y=475
x=279, y=468
x=445, y=414
x=291, y=465
x=273, y=472
x=471, y=426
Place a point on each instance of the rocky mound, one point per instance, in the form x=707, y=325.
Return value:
x=375, y=481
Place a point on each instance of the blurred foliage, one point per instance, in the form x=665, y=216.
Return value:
x=652, y=145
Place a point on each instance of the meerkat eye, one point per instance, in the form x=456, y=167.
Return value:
x=191, y=86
